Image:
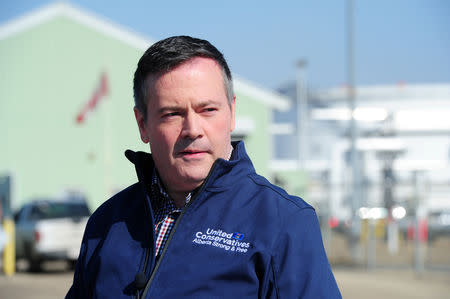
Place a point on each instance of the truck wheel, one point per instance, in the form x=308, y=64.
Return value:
x=35, y=265
x=72, y=264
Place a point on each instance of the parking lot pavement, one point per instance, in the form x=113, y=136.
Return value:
x=50, y=285
x=387, y=284
x=390, y=284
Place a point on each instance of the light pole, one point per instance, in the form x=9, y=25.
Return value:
x=355, y=190
x=302, y=114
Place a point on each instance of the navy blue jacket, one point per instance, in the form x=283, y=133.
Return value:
x=239, y=236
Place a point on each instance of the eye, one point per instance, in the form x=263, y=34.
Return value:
x=209, y=109
x=170, y=114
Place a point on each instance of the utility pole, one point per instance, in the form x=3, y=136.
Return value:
x=355, y=192
x=420, y=238
x=302, y=114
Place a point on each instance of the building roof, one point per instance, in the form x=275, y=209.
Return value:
x=400, y=92
x=108, y=28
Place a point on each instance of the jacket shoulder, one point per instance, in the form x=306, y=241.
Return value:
x=291, y=200
x=115, y=207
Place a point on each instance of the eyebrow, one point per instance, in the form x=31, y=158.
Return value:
x=168, y=108
x=202, y=104
x=207, y=103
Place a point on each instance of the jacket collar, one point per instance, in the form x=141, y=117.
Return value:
x=222, y=173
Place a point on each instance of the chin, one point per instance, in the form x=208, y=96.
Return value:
x=194, y=179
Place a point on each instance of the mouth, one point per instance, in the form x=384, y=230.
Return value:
x=192, y=153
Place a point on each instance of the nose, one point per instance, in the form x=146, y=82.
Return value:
x=192, y=127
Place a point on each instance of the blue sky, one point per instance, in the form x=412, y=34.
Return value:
x=395, y=41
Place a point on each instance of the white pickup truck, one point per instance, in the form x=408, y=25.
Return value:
x=50, y=229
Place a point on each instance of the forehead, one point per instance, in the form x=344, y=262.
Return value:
x=200, y=76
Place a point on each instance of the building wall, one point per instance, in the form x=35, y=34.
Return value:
x=258, y=141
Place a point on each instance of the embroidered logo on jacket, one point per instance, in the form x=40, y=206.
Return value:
x=221, y=239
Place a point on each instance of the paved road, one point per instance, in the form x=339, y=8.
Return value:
x=390, y=284
x=386, y=284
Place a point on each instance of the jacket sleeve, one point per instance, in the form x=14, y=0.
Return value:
x=300, y=265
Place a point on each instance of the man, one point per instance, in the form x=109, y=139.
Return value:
x=200, y=222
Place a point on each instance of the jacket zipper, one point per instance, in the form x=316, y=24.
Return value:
x=147, y=286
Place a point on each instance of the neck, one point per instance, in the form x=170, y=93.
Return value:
x=179, y=198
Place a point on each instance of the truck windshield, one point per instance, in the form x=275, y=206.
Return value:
x=50, y=210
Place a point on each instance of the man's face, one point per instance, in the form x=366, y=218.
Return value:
x=189, y=121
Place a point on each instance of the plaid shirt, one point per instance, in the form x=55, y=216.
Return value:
x=165, y=210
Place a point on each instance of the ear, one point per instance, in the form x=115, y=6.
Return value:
x=141, y=125
x=233, y=109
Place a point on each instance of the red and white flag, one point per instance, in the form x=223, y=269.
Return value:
x=100, y=92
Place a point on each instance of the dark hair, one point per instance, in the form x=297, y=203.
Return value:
x=169, y=53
